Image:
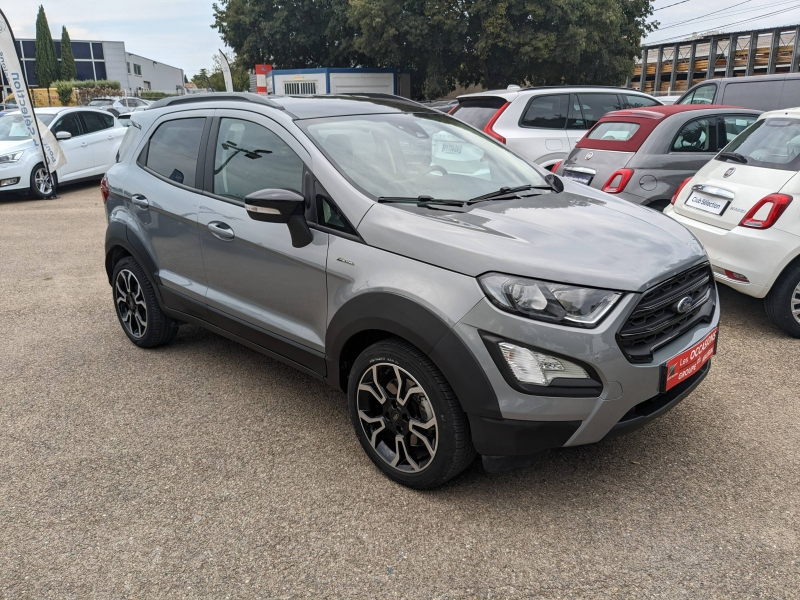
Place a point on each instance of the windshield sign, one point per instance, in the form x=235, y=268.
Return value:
x=412, y=155
x=13, y=128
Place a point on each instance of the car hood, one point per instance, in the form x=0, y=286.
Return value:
x=7, y=147
x=579, y=236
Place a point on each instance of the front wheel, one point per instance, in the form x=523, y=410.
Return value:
x=407, y=417
x=783, y=302
x=42, y=185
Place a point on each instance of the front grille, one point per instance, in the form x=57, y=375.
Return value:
x=655, y=321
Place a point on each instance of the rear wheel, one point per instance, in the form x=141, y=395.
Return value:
x=783, y=301
x=407, y=417
x=42, y=184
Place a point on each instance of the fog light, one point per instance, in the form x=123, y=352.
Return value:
x=537, y=368
x=736, y=276
x=12, y=181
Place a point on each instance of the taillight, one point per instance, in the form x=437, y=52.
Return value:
x=678, y=191
x=104, y=189
x=767, y=215
x=488, y=129
x=452, y=110
x=618, y=180
x=554, y=168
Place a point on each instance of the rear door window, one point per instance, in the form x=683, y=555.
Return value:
x=702, y=95
x=770, y=143
x=96, y=121
x=733, y=125
x=634, y=101
x=478, y=111
x=699, y=135
x=173, y=150
x=595, y=106
x=613, y=132
x=546, y=112
x=761, y=95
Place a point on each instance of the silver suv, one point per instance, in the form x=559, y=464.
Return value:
x=465, y=300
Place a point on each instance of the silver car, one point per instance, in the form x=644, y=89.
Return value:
x=466, y=301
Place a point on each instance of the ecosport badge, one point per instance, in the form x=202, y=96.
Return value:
x=730, y=172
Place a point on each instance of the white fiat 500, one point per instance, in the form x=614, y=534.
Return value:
x=88, y=137
x=744, y=206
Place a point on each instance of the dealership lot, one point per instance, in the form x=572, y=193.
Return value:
x=204, y=469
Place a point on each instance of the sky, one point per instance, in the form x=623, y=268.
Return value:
x=178, y=32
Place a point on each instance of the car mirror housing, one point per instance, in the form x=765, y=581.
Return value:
x=63, y=135
x=281, y=206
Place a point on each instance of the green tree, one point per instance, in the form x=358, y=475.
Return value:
x=68, y=72
x=46, y=64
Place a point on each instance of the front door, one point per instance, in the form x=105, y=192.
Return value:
x=255, y=277
x=76, y=149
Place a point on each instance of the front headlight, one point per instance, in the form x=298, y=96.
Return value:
x=13, y=157
x=547, y=301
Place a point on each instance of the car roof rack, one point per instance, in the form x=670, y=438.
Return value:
x=216, y=97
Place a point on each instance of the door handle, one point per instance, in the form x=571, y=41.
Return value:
x=111, y=137
x=140, y=201
x=221, y=230
x=84, y=144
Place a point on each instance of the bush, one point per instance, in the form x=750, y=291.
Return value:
x=92, y=84
x=64, y=91
x=151, y=95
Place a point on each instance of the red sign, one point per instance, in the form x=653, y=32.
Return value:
x=688, y=362
x=263, y=83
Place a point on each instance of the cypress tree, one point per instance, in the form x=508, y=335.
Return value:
x=68, y=71
x=46, y=65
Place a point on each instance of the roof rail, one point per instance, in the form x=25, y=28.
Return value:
x=216, y=97
x=384, y=96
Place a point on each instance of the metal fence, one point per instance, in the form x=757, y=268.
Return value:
x=673, y=67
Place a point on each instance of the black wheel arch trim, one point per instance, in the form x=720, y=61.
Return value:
x=119, y=235
x=405, y=318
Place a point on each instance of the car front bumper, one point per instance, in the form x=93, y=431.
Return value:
x=631, y=393
x=19, y=170
x=759, y=255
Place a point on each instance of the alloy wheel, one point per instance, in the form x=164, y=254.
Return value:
x=795, y=303
x=397, y=417
x=129, y=298
x=43, y=181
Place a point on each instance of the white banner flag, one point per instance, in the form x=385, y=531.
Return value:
x=226, y=71
x=42, y=138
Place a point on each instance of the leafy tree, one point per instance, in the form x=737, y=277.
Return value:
x=240, y=75
x=46, y=64
x=201, y=79
x=68, y=72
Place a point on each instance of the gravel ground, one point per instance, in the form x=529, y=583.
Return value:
x=204, y=469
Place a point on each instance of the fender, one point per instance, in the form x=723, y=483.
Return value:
x=119, y=235
x=405, y=318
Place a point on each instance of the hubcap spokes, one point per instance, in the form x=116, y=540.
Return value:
x=397, y=417
x=42, y=181
x=130, y=303
x=795, y=303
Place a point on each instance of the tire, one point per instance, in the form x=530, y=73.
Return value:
x=430, y=422
x=137, y=307
x=39, y=183
x=783, y=301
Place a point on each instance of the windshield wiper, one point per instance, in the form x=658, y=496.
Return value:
x=734, y=156
x=503, y=192
x=420, y=200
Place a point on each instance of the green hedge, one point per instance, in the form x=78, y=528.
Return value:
x=150, y=95
x=91, y=84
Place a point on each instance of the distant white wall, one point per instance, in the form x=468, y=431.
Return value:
x=303, y=83
x=114, y=53
x=154, y=75
x=350, y=83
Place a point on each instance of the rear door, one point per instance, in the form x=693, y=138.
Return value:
x=103, y=137
x=255, y=276
x=593, y=107
x=544, y=124
x=76, y=149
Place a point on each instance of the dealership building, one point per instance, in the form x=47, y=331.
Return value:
x=107, y=60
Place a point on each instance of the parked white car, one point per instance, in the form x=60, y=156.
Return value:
x=89, y=138
x=543, y=124
x=744, y=208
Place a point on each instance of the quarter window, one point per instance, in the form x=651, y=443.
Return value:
x=547, y=112
x=250, y=157
x=733, y=125
x=69, y=123
x=696, y=136
x=174, y=148
x=97, y=121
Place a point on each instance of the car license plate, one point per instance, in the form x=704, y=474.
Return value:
x=584, y=178
x=451, y=148
x=715, y=206
x=688, y=362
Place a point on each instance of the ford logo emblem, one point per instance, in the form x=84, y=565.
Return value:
x=588, y=156
x=684, y=305
x=729, y=172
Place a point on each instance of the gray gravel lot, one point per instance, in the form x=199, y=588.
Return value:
x=204, y=469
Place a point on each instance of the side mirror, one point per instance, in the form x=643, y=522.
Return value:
x=281, y=206
x=63, y=135
x=555, y=183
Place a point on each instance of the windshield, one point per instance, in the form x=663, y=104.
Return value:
x=13, y=128
x=770, y=143
x=411, y=155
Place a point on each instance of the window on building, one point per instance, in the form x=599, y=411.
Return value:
x=548, y=112
x=85, y=70
x=129, y=68
x=29, y=49
x=97, y=50
x=100, y=69
x=299, y=87
x=82, y=50
x=137, y=69
x=173, y=150
x=250, y=157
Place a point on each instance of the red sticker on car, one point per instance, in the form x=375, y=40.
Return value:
x=688, y=362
